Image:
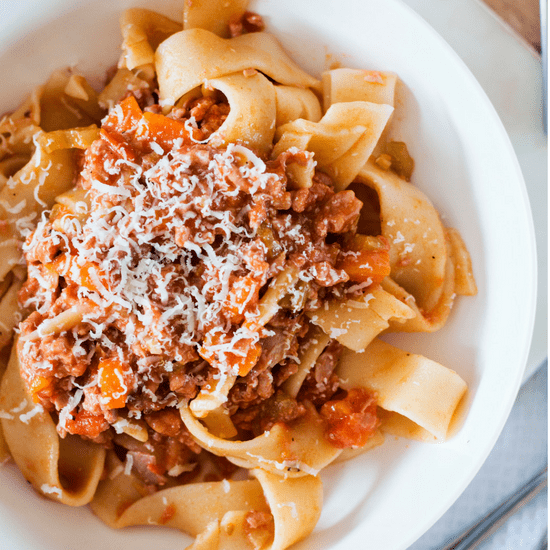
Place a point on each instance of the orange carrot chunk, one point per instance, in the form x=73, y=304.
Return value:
x=119, y=145
x=247, y=363
x=246, y=354
x=37, y=384
x=112, y=383
x=92, y=277
x=162, y=130
x=125, y=117
x=364, y=258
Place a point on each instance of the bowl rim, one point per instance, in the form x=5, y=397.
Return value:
x=46, y=12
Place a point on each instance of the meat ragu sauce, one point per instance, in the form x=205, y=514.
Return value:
x=163, y=261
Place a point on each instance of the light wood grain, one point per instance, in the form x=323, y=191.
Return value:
x=522, y=15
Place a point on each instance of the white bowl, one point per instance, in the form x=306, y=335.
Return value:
x=389, y=497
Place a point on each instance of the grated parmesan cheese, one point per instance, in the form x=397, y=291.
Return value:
x=25, y=418
x=128, y=464
x=50, y=490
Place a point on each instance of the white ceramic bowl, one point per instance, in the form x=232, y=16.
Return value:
x=385, y=499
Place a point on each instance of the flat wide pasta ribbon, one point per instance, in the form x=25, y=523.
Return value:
x=341, y=85
x=416, y=395
x=66, y=100
x=10, y=314
x=44, y=161
x=293, y=451
x=251, y=120
x=315, y=343
x=295, y=506
x=212, y=15
x=410, y=223
x=66, y=470
x=355, y=323
x=424, y=321
x=142, y=31
x=342, y=140
x=188, y=58
x=459, y=279
x=122, y=500
x=294, y=103
x=16, y=142
x=4, y=449
x=32, y=189
x=429, y=263
x=207, y=510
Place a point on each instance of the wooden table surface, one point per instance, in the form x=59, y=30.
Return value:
x=523, y=16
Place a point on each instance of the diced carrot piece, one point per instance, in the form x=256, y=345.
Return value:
x=119, y=145
x=243, y=289
x=61, y=263
x=248, y=353
x=364, y=258
x=162, y=130
x=38, y=384
x=88, y=274
x=168, y=513
x=112, y=383
x=126, y=118
x=246, y=364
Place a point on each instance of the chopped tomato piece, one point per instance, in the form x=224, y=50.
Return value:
x=87, y=424
x=352, y=421
x=113, y=383
x=168, y=513
x=364, y=258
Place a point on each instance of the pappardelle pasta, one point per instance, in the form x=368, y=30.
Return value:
x=198, y=263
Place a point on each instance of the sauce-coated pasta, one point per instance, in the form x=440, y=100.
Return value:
x=199, y=260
